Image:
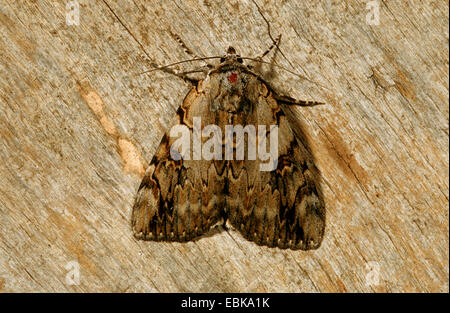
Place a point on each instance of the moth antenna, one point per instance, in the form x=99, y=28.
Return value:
x=275, y=44
x=202, y=70
x=185, y=47
x=267, y=22
x=179, y=62
x=285, y=69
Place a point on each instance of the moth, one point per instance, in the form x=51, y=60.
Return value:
x=182, y=198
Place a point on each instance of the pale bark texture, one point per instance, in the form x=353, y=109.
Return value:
x=79, y=125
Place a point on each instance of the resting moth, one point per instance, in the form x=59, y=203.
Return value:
x=181, y=199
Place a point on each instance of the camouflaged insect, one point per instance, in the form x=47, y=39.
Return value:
x=180, y=200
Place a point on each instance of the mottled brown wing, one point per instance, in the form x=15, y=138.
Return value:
x=179, y=200
x=280, y=208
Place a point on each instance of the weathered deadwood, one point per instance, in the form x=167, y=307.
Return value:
x=77, y=128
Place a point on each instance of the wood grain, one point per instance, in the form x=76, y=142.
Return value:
x=78, y=127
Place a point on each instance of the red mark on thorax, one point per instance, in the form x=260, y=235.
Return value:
x=232, y=78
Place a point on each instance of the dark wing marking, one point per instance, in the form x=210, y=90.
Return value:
x=281, y=208
x=179, y=200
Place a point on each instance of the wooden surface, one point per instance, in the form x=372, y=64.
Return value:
x=78, y=127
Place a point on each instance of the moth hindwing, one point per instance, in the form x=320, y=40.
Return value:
x=272, y=201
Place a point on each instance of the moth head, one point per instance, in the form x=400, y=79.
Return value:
x=231, y=56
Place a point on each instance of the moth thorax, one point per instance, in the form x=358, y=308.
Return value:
x=233, y=80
